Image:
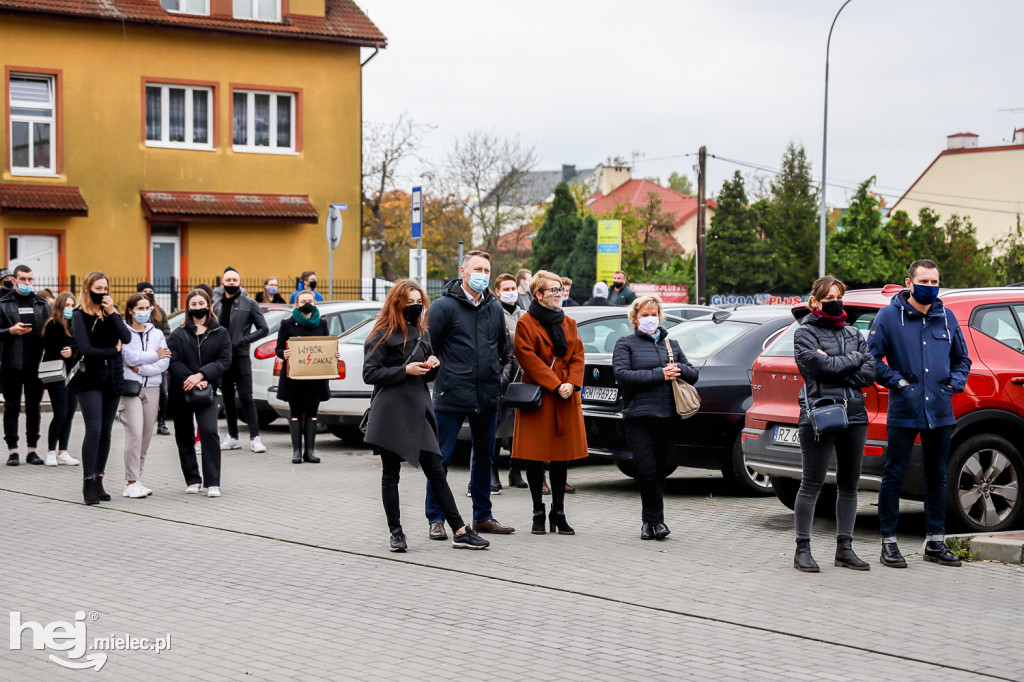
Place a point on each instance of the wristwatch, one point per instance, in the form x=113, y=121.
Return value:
x=902, y=383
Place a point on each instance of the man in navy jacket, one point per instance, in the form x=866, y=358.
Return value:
x=922, y=360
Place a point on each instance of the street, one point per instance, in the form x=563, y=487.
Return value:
x=287, y=576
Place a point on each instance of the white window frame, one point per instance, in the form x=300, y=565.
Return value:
x=255, y=5
x=51, y=170
x=205, y=12
x=165, y=116
x=250, y=122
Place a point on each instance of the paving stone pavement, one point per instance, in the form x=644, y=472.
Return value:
x=287, y=576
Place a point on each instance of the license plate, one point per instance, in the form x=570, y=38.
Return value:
x=786, y=435
x=597, y=393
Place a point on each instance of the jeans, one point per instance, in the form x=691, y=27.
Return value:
x=651, y=439
x=430, y=463
x=239, y=378
x=99, y=409
x=935, y=443
x=64, y=404
x=848, y=446
x=138, y=416
x=14, y=380
x=483, y=428
x=184, y=437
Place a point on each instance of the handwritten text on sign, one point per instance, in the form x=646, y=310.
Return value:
x=313, y=357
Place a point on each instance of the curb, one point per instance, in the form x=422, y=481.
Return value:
x=1005, y=546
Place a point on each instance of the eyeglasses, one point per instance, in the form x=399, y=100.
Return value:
x=554, y=290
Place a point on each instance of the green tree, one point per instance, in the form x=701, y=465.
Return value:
x=680, y=183
x=791, y=222
x=739, y=261
x=952, y=244
x=561, y=226
x=651, y=241
x=859, y=251
x=581, y=266
x=1009, y=264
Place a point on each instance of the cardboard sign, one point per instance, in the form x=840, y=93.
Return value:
x=313, y=357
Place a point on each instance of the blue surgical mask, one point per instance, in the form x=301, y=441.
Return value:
x=142, y=318
x=24, y=289
x=272, y=290
x=478, y=281
x=924, y=295
x=68, y=312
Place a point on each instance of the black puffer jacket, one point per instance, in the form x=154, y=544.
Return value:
x=639, y=363
x=210, y=356
x=841, y=374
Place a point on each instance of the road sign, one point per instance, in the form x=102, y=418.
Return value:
x=418, y=265
x=417, y=212
x=334, y=224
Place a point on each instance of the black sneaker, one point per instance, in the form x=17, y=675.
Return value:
x=937, y=551
x=469, y=539
x=891, y=556
x=162, y=429
x=398, y=543
x=12, y=460
x=33, y=458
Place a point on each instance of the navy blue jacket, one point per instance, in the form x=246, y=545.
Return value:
x=929, y=352
x=472, y=344
x=638, y=362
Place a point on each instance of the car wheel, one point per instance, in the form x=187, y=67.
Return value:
x=626, y=467
x=787, y=488
x=265, y=418
x=742, y=477
x=983, y=484
x=350, y=435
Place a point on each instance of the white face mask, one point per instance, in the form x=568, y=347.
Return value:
x=508, y=297
x=648, y=324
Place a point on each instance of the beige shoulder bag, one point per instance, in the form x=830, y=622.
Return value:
x=686, y=396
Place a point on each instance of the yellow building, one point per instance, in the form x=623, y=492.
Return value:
x=167, y=139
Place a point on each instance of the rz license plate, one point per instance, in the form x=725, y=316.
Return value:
x=786, y=435
x=600, y=394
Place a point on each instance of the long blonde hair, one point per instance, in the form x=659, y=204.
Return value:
x=85, y=298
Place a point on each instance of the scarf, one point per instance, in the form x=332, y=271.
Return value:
x=551, y=320
x=312, y=321
x=836, y=321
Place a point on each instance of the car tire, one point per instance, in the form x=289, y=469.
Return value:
x=786, y=489
x=264, y=418
x=350, y=435
x=626, y=467
x=980, y=470
x=742, y=478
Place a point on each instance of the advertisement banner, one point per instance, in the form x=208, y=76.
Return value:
x=668, y=293
x=756, y=299
x=609, y=249
x=313, y=357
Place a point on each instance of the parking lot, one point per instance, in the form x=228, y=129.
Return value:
x=287, y=576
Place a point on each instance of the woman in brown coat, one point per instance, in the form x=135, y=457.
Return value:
x=551, y=354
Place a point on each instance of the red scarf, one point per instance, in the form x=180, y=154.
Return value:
x=837, y=321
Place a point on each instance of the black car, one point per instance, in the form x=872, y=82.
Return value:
x=723, y=347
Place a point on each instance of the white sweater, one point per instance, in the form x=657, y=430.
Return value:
x=141, y=353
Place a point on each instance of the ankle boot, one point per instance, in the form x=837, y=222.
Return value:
x=538, y=521
x=803, y=561
x=558, y=522
x=89, y=491
x=515, y=479
x=495, y=482
x=100, y=492
x=295, y=427
x=845, y=557
x=310, y=433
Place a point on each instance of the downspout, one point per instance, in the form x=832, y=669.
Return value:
x=373, y=274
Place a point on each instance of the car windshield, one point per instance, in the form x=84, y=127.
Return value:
x=599, y=335
x=700, y=339
x=782, y=346
x=358, y=333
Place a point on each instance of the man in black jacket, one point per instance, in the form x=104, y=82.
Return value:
x=239, y=314
x=22, y=316
x=468, y=335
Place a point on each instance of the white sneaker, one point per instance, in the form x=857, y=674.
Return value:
x=214, y=491
x=144, y=488
x=256, y=445
x=51, y=459
x=193, y=489
x=134, y=490
x=66, y=459
x=230, y=443
x=199, y=447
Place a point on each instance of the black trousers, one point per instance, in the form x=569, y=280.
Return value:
x=184, y=437
x=161, y=413
x=430, y=463
x=15, y=380
x=651, y=438
x=99, y=409
x=238, y=379
x=64, y=404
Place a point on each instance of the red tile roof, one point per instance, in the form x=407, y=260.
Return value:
x=634, y=193
x=344, y=22
x=229, y=207
x=52, y=200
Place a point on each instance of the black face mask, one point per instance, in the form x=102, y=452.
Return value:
x=312, y=284
x=231, y=291
x=96, y=298
x=198, y=313
x=832, y=308
x=8, y=284
x=618, y=285
x=307, y=308
x=412, y=313
x=151, y=297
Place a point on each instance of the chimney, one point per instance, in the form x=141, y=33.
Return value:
x=568, y=172
x=1018, y=136
x=613, y=177
x=962, y=141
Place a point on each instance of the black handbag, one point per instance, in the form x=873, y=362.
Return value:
x=523, y=396
x=365, y=421
x=827, y=415
x=131, y=388
x=200, y=397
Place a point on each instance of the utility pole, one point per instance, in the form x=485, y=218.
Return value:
x=702, y=242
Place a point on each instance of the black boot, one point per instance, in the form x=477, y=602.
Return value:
x=100, y=492
x=161, y=428
x=803, y=561
x=295, y=427
x=891, y=556
x=515, y=477
x=646, y=531
x=310, y=433
x=937, y=551
x=845, y=557
x=89, y=491
x=558, y=522
x=538, y=521
x=495, y=481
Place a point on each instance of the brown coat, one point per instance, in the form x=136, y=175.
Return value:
x=555, y=431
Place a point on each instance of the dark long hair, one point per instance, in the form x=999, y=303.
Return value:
x=392, y=317
x=57, y=312
x=209, y=304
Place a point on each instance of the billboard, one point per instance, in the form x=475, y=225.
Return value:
x=609, y=249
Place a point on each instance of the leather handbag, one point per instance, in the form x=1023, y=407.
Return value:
x=827, y=415
x=365, y=421
x=199, y=397
x=131, y=388
x=686, y=397
x=52, y=371
x=523, y=396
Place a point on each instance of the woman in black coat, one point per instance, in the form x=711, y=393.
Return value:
x=302, y=395
x=98, y=331
x=200, y=354
x=399, y=363
x=643, y=370
x=59, y=344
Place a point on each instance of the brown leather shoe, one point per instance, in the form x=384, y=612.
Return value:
x=437, y=532
x=492, y=526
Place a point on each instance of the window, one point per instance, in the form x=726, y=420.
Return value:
x=263, y=10
x=263, y=121
x=999, y=324
x=179, y=116
x=186, y=6
x=33, y=125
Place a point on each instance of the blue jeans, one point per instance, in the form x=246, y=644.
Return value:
x=935, y=443
x=483, y=428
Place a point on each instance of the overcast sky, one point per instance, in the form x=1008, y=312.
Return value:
x=583, y=80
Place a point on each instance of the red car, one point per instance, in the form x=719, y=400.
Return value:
x=985, y=465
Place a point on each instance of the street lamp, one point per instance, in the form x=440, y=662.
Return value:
x=824, y=150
